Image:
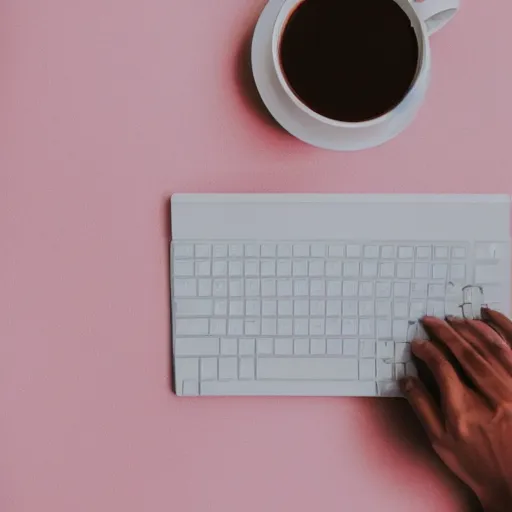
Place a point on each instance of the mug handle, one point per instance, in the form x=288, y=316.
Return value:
x=435, y=13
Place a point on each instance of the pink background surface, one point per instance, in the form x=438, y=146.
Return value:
x=108, y=107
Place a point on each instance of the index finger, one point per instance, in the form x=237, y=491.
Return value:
x=499, y=322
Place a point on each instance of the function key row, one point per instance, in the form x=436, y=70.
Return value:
x=321, y=250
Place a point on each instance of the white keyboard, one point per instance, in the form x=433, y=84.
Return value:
x=287, y=315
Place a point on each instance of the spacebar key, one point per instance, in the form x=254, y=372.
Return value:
x=314, y=368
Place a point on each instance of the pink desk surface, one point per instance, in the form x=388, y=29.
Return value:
x=106, y=108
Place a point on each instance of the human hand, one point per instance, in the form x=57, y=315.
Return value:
x=470, y=427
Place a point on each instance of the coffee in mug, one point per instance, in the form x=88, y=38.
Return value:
x=349, y=60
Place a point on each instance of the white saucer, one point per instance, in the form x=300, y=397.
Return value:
x=285, y=112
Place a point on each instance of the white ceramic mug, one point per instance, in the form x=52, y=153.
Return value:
x=426, y=17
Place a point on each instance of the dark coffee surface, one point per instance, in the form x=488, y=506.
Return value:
x=349, y=60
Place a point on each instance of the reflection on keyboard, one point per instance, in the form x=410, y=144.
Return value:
x=316, y=318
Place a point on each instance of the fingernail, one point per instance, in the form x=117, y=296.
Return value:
x=485, y=312
x=407, y=384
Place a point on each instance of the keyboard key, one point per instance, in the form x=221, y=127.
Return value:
x=435, y=308
x=246, y=346
x=191, y=326
x=336, y=251
x=252, y=251
x=422, y=270
x=389, y=389
x=220, y=268
x=220, y=251
x=384, y=370
x=204, y=287
x=334, y=288
x=208, y=368
x=490, y=251
x=301, y=250
x=318, y=346
x=383, y=289
x=284, y=287
x=317, y=287
x=366, y=308
x=333, y=268
x=269, y=308
x=334, y=347
x=350, y=307
x=401, y=309
x=203, y=251
x=410, y=369
x=441, y=252
x=246, y=368
x=317, y=308
x=404, y=270
x=300, y=268
x=401, y=290
x=349, y=327
x=383, y=308
x=399, y=371
x=436, y=290
x=370, y=269
x=190, y=388
x=252, y=268
x=284, y=346
x=383, y=328
x=285, y=307
x=183, y=268
x=405, y=252
x=301, y=347
x=385, y=350
x=284, y=268
x=203, y=268
x=252, y=287
x=284, y=326
x=388, y=252
x=220, y=308
x=300, y=287
x=418, y=308
x=284, y=250
x=487, y=274
x=218, y=326
x=424, y=253
x=317, y=368
x=366, y=289
x=366, y=327
x=252, y=327
x=318, y=250
x=193, y=307
x=350, y=288
x=419, y=289
x=235, y=327
x=371, y=251
x=402, y=352
x=265, y=346
x=236, y=288
x=228, y=368
x=350, y=347
x=268, y=288
x=458, y=272
x=316, y=326
x=185, y=288
x=439, y=271
x=196, y=347
x=400, y=330
x=268, y=268
x=353, y=251
x=235, y=268
x=333, y=326
x=236, y=251
x=253, y=307
x=367, y=369
x=228, y=346
x=458, y=252
x=236, y=307
x=268, y=326
x=316, y=268
x=366, y=348
x=333, y=308
x=183, y=250
x=301, y=307
x=268, y=251
x=351, y=269
x=301, y=326
x=220, y=287
x=387, y=269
